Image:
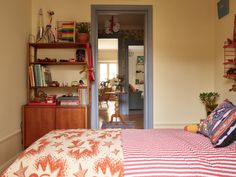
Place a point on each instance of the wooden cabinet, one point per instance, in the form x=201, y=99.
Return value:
x=41, y=116
x=37, y=122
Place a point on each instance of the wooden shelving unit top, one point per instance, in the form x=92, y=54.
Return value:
x=58, y=45
x=76, y=87
x=60, y=63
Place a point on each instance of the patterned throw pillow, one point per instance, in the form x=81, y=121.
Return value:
x=206, y=125
x=224, y=130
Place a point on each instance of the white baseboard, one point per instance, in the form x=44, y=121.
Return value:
x=10, y=147
x=171, y=125
x=9, y=136
x=8, y=163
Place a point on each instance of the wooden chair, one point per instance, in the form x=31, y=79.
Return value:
x=103, y=96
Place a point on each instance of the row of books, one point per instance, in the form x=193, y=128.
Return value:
x=39, y=75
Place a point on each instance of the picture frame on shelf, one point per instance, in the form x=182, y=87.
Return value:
x=65, y=31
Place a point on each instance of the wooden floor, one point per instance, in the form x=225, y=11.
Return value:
x=134, y=115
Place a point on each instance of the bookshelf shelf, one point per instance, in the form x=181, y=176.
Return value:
x=58, y=45
x=60, y=63
x=72, y=87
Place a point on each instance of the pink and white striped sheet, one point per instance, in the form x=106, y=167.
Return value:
x=172, y=152
x=117, y=153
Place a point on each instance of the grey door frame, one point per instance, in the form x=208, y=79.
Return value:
x=148, y=55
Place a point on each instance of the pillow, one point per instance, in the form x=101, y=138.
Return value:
x=224, y=130
x=191, y=128
x=206, y=125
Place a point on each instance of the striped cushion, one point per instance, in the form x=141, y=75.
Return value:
x=224, y=130
x=207, y=124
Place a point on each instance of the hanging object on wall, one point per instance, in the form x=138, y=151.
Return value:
x=234, y=28
x=223, y=8
x=112, y=25
x=40, y=28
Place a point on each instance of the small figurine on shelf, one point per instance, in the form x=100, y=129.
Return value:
x=74, y=84
x=40, y=27
x=233, y=88
x=49, y=35
x=81, y=82
x=80, y=55
x=54, y=84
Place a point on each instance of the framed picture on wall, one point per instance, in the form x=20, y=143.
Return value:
x=140, y=59
x=223, y=8
x=65, y=31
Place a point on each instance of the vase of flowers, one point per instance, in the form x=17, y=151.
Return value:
x=117, y=82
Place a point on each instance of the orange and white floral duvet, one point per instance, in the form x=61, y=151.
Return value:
x=73, y=153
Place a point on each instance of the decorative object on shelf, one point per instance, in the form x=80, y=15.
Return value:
x=209, y=99
x=233, y=88
x=54, y=84
x=234, y=28
x=40, y=27
x=223, y=8
x=112, y=25
x=47, y=60
x=80, y=55
x=82, y=32
x=65, y=31
x=51, y=98
x=40, y=97
x=48, y=34
x=140, y=70
x=81, y=82
x=74, y=84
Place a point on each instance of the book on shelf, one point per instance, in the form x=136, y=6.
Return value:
x=47, y=75
x=68, y=98
x=83, y=95
x=69, y=102
x=31, y=76
x=39, y=75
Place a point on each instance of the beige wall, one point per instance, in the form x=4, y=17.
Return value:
x=183, y=60
x=224, y=29
x=15, y=27
x=183, y=35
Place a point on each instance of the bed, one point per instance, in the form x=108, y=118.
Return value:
x=123, y=152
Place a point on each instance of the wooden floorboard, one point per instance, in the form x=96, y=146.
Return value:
x=134, y=115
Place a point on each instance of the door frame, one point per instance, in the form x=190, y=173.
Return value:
x=148, y=55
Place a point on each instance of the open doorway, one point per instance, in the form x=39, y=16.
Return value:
x=146, y=12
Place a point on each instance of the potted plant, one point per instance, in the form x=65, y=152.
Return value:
x=82, y=32
x=209, y=99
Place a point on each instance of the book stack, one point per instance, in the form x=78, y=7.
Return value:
x=83, y=95
x=69, y=100
x=39, y=75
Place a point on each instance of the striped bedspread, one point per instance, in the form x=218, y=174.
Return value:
x=118, y=153
x=175, y=153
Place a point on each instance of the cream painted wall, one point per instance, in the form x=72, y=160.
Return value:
x=183, y=60
x=183, y=43
x=15, y=27
x=224, y=29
